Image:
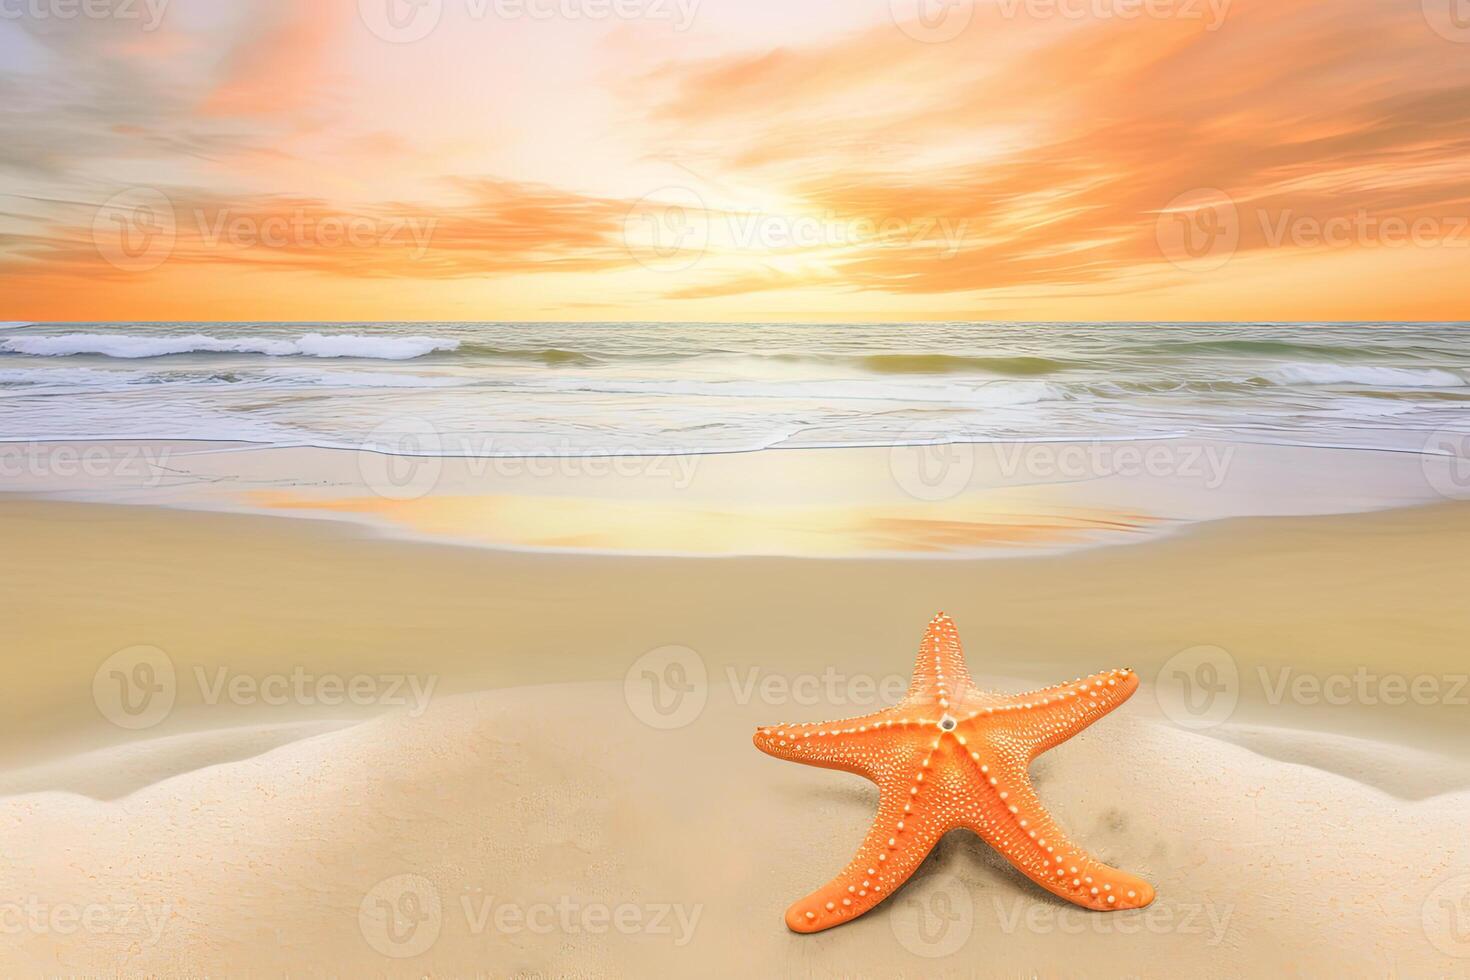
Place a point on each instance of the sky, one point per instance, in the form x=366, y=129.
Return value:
x=734, y=160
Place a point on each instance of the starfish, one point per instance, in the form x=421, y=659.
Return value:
x=948, y=756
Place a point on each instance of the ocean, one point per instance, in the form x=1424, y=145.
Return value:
x=501, y=389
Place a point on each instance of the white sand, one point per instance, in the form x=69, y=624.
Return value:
x=571, y=818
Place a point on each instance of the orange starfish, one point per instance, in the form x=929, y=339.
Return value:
x=947, y=756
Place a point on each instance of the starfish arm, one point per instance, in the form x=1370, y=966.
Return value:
x=895, y=846
x=1046, y=718
x=1008, y=815
x=860, y=745
x=940, y=674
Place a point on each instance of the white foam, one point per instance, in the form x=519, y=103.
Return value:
x=988, y=394
x=338, y=378
x=1373, y=377
x=131, y=346
x=61, y=376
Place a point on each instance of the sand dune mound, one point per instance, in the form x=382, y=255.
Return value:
x=548, y=829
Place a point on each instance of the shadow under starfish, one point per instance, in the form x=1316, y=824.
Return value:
x=951, y=756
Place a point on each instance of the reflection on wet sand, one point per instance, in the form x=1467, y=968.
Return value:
x=681, y=528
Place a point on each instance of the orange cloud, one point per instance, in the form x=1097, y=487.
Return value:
x=1343, y=127
x=278, y=64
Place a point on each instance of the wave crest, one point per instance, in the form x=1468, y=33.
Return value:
x=1372, y=377
x=132, y=347
x=1016, y=367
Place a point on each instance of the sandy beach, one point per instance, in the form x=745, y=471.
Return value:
x=247, y=745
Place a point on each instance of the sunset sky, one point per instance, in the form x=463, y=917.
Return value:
x=734, y=160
